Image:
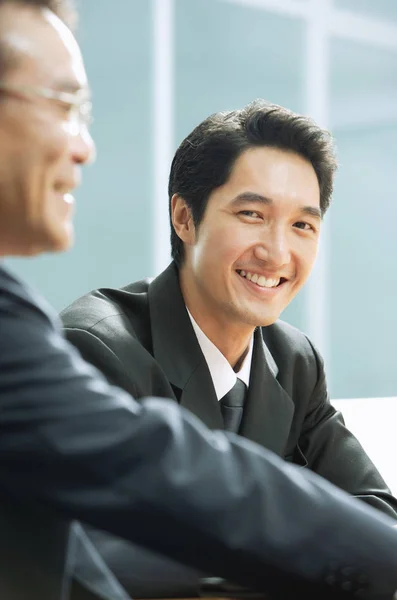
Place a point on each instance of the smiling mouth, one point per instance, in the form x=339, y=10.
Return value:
x=260, y=280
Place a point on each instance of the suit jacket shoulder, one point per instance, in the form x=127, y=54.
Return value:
x=125, y=308
x=287, y=343
x=112, y=330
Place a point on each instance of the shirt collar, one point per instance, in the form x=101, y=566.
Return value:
x=223, y=376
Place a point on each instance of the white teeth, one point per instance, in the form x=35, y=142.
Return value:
x=68, y=198
x=260, y=279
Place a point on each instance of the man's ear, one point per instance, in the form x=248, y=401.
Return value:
x=182, y=220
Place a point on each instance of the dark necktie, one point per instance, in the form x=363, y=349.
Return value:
x=232, y=405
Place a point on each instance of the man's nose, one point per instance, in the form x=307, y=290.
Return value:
x=273, y=249
x=83, y=147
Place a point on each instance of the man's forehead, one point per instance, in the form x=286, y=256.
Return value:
x=42, y=47
x=272, y=164
x=273, y=175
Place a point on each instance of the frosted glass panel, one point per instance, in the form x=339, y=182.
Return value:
x=228, y=55
x=364, y=241
x=381, y=9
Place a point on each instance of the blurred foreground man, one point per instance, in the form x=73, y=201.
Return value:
x=247, y=193
x=72, y=447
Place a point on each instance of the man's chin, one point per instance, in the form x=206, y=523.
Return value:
x=58, y=241
x=266, y=322
x=65, y=242
x=259, y=320
x=262, y=319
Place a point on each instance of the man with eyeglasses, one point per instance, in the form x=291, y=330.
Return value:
x=72, y=447
x=77, y=104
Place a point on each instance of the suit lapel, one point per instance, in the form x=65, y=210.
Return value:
x=177, y=351
x=269, y=409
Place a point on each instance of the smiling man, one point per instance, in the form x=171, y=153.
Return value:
x=252, y=250
x=35, y=153
x=247, y=193
x=73, y=447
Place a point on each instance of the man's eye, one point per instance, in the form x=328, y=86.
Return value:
x=67, y=109
x=303, y=225
x=250, y=213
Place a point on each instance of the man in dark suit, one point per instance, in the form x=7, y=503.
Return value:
x=247, y=193
x=71, y=446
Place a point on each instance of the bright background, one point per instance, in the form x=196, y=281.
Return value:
x=158, y=67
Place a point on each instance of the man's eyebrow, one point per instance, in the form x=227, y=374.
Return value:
x=312, y=211
x=249, y=197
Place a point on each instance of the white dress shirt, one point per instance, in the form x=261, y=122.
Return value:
x=223, y=376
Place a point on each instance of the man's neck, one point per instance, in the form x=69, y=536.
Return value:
x=231, y=342
x=232, y=339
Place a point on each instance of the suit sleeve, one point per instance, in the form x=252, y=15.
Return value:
x=333, y=452
x=153, y=474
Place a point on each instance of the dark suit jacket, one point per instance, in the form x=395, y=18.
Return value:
x=33, y=554
x=153, y=474
x=141, y=338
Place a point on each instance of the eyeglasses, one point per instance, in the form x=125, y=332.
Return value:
x=79, y=108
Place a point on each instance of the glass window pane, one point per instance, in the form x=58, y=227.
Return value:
x=364, y=242
x=228, y=55
x=381, y=9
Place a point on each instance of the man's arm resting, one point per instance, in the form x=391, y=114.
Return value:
x=154, y=474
